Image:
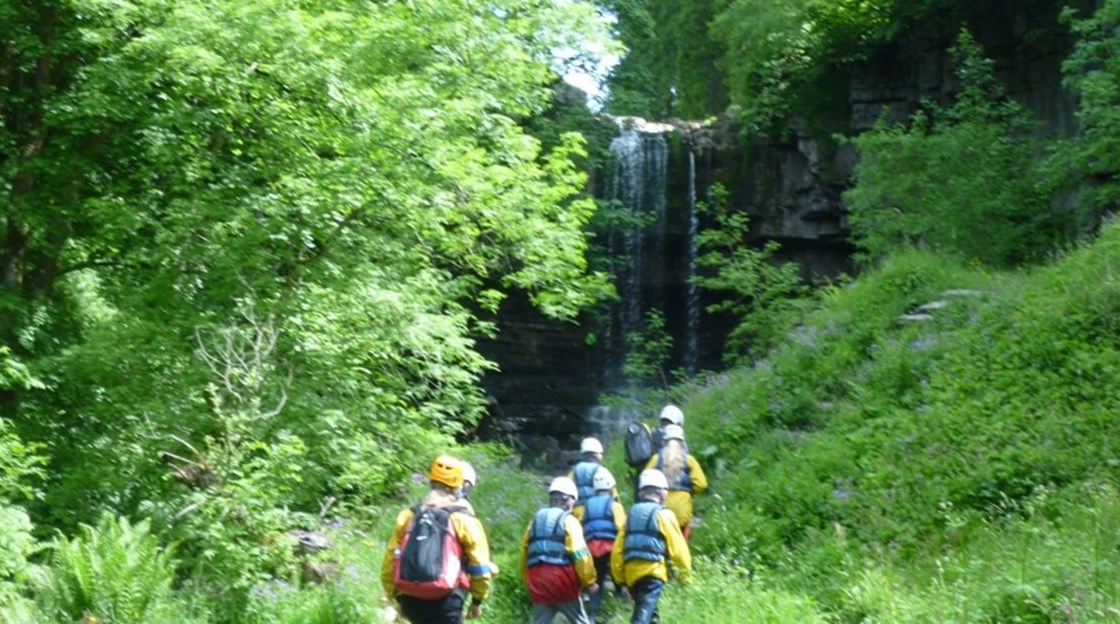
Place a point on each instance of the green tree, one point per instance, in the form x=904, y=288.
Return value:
x=966, y=179
x=670, y=67
x=354, y=176
x=648, y=351
x=793, y=57
x=1093, y=71
x=760, y=292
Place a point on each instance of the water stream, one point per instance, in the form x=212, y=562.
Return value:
x=652, y=251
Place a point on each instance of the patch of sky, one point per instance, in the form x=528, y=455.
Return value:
x=587, y=64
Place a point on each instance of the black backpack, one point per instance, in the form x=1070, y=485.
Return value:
x=639, y=444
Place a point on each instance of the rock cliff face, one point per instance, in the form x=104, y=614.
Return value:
x=791, y=187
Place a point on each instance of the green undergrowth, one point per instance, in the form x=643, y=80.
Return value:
x=957, y=468
x=872, y=468
x=961, y=468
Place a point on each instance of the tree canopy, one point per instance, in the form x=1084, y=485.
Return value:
x=270, y=231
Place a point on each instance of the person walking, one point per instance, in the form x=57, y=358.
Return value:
x=591, y=458
x=670, y=415
x=649, y=545
x=685, y=476
x=555, y=562
x=438, y=553
x=602, y=517
x=470, y=479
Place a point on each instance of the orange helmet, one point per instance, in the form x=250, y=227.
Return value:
x=446, y=470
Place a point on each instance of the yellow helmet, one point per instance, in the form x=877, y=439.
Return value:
x=446, y=470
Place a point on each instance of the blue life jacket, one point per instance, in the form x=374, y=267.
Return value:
x=546, y=537
x=684, y=483
x=643, y=537
x=584, y=475
x=598, y=518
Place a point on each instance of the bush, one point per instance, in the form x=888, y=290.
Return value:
x=763, y=295
x=17, y=546
x=963, y=180
x=346, y=588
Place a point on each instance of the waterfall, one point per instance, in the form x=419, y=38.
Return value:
x=638, y=186
x=692, y=291
x=626, y=244
x=653, y=255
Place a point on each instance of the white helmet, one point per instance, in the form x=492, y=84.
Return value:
x=590, y=445
x=565, y=486
x=672, y=432
x=603, y=480
x=469, y=475
x=673, y=414
x=652, y=478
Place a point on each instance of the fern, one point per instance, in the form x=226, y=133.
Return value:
x=116, y=571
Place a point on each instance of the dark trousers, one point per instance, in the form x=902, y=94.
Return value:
x=646, y=593
x=446, y=611
x=602, y=572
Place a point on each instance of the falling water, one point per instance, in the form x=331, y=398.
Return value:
x=651, y=251
x=692, y=290
x=639, y=186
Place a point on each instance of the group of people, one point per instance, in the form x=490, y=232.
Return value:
x=575, y=549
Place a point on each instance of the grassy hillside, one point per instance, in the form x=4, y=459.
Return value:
x=960, y=468
x=876, y=468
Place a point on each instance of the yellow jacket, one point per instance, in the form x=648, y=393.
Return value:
x=680, y=501
x=573, y=544
x=630, y=572
x=471, y=536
